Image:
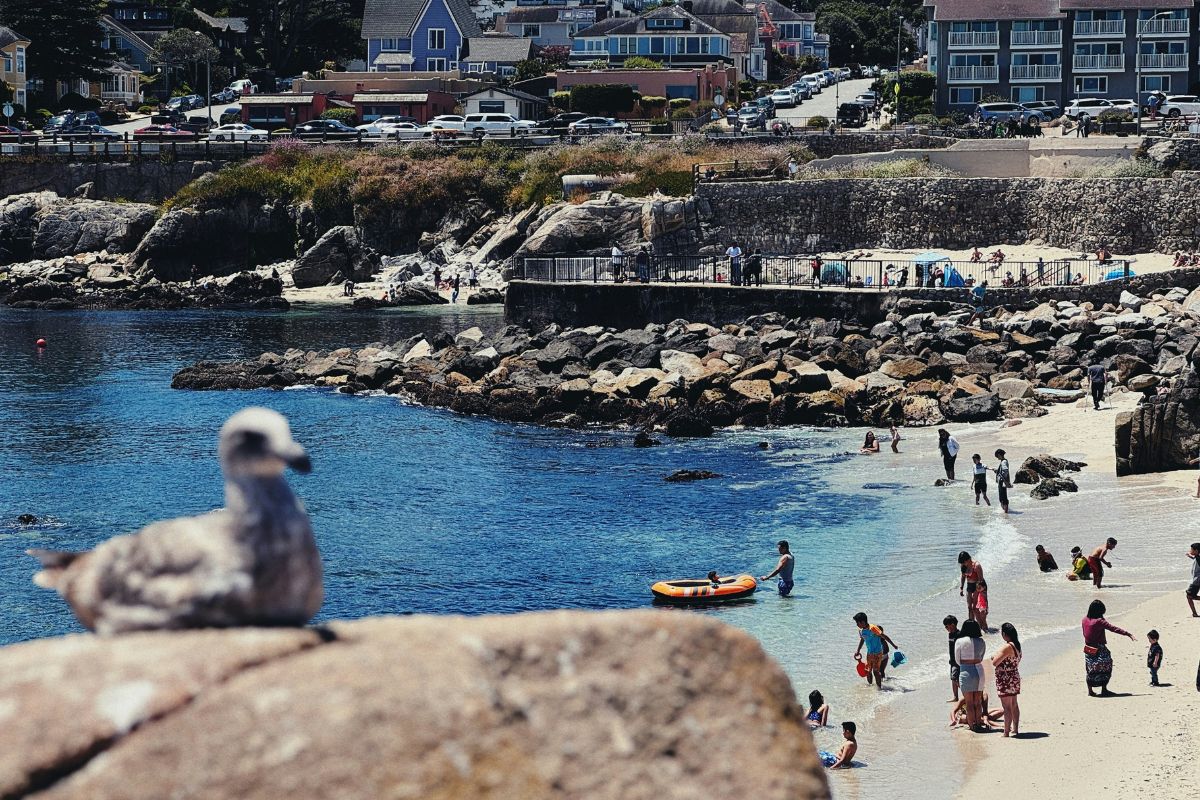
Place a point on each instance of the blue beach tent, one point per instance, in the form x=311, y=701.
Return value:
x=1117, y=274
x=951, y=277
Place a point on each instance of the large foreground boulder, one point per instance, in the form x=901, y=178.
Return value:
x=44, y=225
x=580, y=227
x=609, y=706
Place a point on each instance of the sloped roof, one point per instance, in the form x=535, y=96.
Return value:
x=235, y=24
x=953, y=10
x=531, y=14
x=703, y=8
x=501, y=49
x=1138, y=4
x=602, y=27
x=516, y=93
x=390, y=97
x=385, y=19
x=632, y=25
x=394, y=59
x=276, y=99
x=8, y=36
x=134, y=39
x=781, y=13
x=744, y=24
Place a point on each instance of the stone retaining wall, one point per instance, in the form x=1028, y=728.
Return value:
x=1127, y=214
x=138, y=181
x=823, y=145
x=535, y=305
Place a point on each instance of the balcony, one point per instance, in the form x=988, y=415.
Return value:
x=1163, y=61
x=1100, y=27
x=1163, y=27
x=1035, y=72
x=977, y=39
x=973, y=74
x=1098, y=63
x=1036, y=39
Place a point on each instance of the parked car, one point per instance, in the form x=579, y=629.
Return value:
x=185, y=103
x=224, y=96
x=598, y=125
x=477, y=124
x=560, y=122
x=70, y=119
x=447, y=122
x=866, y=100
x=325, y=129
x=90, y=133
x=237, y=132
x=1048, y=108
x=243, y=87
x=783, y=98
x=815, y=82
x=1086, y=107
x=163, y=132
x=851, y=115
x=766, y=106
x=1180, y=105
x=803, y=90
x=405, y=130
x=11, y=135
x=831, y=76
x=1002, y=112
x=752, y=117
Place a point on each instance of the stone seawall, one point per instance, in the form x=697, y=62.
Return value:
x=535, y=305
x=138, y=181
x=823, y=145
x=1127, y=214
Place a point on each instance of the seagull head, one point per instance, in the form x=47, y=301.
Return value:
x=258, y=442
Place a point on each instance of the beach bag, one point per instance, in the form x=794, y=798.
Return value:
x=1088, y=650
x=898, y=658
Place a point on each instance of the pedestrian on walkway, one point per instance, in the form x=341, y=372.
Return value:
x=735, y=264
x=642, y=262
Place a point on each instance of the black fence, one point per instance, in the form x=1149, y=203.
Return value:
x=816, y=272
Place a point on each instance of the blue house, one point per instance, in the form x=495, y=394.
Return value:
x=668, y=34
x=126, y=45
x=417, y=35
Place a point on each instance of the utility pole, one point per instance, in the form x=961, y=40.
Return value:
x=208, y=81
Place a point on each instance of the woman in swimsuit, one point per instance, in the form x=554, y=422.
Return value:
x=818, y=716
x=968, y=583
x=1008, y=677
x=870, y=443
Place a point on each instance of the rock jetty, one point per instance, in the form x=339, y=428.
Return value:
x=918, y=367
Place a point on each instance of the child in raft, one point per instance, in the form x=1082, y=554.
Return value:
x=846, y=752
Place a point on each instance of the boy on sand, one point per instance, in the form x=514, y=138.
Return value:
x=1154, y=657
x=950, y=623
x=1193, y=589
x=874, y=637
x=1097, y=562
x=783, y=569
x=846, y=752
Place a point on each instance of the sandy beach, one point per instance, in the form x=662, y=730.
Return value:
x=1072, y=746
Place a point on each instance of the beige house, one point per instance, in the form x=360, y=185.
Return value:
x=12, y=62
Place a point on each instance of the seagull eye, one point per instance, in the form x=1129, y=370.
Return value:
x=253, y=441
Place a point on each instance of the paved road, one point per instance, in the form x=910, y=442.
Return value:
x=825, y=104
x=196, y=113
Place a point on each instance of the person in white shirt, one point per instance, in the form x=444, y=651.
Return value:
x=618, y=263
x=949, y=447
x=735, y=264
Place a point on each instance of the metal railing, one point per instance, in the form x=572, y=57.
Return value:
x=1100, y=27
x=974, y=39
x=973, y=74
x=807, y=271
x=1156, y=27
x=1101, y=63
x=1035, y=38
x=1035, y=72
x=1163, y=60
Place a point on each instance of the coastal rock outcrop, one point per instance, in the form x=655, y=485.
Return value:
x=609, y=705
x=43, y=225
x=1163, y=431
x=339, y=251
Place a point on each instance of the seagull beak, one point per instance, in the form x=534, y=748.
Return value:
x=294, y=456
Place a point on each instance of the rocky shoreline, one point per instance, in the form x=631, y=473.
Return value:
x=920, y=367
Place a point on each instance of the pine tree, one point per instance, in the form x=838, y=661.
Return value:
x=64, y=37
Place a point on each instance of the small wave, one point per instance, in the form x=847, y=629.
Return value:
x=886, y=486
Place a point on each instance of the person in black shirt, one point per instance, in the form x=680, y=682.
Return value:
x=1046, y=562
x=1098, y=377
x=951, y=625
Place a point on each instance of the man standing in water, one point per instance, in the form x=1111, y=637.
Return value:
x=1096, y=559
x=787, y=562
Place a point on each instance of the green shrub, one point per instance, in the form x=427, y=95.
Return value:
x=925, y=119
x=641, y=62
x=682, y=113
x=74, y=101
x=561, y=100
x=652, y=103
x=680, y=102
x=345, y=115
x=817, y=122
x=660, y=125
x=714, y=128
x=1115, y=116
x=145, y=109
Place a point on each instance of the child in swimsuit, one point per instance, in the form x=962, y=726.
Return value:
x=818, y=717
x=846, y=752
x=981, y=604
x=980, y=479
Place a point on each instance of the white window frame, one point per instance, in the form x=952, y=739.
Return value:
x=387, y=46
x=20, y=60
x=1164, y=87
x=531, y=30
x=432, y=37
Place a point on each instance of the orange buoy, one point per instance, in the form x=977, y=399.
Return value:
x=738, y=587
x=41, y=342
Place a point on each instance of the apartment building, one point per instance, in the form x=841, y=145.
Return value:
x=1058, y=50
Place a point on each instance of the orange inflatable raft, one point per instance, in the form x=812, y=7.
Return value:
x=738, y=587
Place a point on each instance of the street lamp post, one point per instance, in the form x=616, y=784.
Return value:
x=1137, y=89
x=899, y=28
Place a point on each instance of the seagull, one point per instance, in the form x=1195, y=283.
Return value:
x=253, y=562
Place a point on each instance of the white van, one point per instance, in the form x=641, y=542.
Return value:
x=243, y=86
x=814, y=82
